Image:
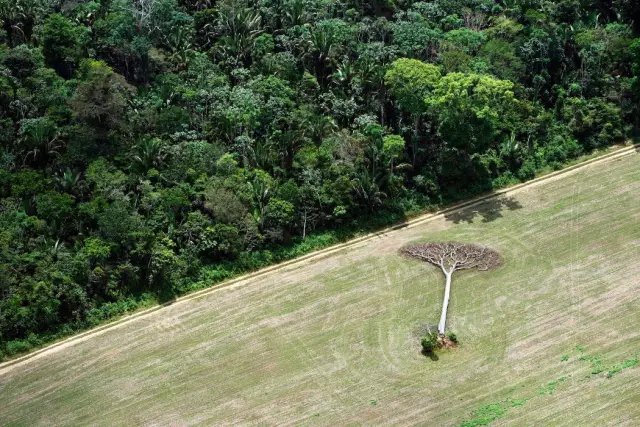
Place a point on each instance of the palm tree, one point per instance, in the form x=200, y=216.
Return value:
x=69, y=181
x=179, y=43
x=238, y=26
x=149, y=153
x=511, y=150
x=261, y=188
x=18, y=17
x=40, y=135
x=294, y=12
x=322, y=48
x=368, y=188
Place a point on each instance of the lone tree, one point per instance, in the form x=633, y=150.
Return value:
x=450, y=257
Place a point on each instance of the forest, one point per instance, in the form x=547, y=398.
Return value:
x=152, y=147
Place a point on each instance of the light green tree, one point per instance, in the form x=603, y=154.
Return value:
x=410, y=81
x=474, y=111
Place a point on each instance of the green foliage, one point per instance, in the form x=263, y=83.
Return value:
x=502, y=60
x=594, y=122
x=465, y=39
x=429, y=343
x=101, y=99
x=220, y=240
x=279, y=212
x=559, y=149
x=626, y=364
x=149, y=153
x=23, y=61
x=486, y=415
x=95, y=250
x=634, y=53
x=393, y=146
x=55, y=208
x=416, y=38
x=473, y=110
x=117, y=223
x=411, y=81
x=598, y=365
x=63, y=44
x=551, y=386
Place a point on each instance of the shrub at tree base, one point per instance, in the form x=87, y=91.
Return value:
x=432, y=341
x=429, y=343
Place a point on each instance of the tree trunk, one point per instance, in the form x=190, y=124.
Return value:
x=414, y=140
x=445, y=304
x=304, y=225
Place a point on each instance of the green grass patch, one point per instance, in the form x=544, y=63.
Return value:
x=598, y=366
x=619, y=367
x=487, y=414
x=551, y=386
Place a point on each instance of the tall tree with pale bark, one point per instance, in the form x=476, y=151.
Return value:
x=451, y=257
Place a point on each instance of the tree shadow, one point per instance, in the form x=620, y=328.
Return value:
x=635, y=139
x=489, y=210
x=431, y=355
x=166, y=296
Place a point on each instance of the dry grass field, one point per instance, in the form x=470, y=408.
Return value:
x=550, y=338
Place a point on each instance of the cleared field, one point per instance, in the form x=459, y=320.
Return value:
x=334, y=342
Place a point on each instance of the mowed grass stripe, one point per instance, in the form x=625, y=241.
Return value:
x=334, y=342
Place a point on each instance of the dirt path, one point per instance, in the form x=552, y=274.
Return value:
x=312, y=257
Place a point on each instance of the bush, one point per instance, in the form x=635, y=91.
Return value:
x=559, y=149
x=18, y=346
x=527, y=171
x=595, y=122
x=429, y=343
x=452, y=337
x=504, y=180
x=109, y=310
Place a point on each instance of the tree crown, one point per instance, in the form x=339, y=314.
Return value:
x=453, y=256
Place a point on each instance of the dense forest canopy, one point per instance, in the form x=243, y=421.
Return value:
x=147, y=145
